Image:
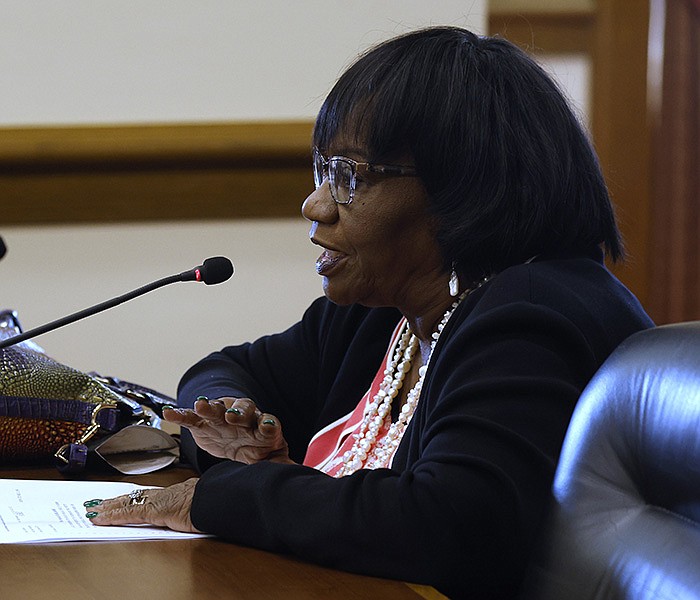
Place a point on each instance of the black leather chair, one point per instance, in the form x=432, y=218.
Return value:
x=626, y=517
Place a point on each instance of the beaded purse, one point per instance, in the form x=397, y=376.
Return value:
x=52, y=412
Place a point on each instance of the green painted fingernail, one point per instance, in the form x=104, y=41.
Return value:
x=235, y=411
x=268, y=422
x=202, y=398
x=91, y=515
x=91, y=503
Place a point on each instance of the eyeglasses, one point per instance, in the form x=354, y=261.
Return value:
x=342, y=172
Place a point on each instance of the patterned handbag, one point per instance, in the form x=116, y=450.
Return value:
x=52, y=412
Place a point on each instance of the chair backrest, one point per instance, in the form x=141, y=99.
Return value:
x=626, y=517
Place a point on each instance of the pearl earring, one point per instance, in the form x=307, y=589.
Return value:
x=454, y=282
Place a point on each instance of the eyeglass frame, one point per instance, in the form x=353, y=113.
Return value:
x=356, y=168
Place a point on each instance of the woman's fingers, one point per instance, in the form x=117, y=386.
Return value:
x=235, y=411
x=268, y=425
x=181, y=416
x=166, y=507
x=233, y=428
x=123, y=515
x=210, y=410
x=122, y=510
x=207, y=412
x=203, y=413
x=242, y=411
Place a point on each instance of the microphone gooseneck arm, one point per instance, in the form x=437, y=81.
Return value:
x=222, y=271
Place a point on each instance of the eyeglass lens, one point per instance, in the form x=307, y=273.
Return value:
x=340, y=176
x=319, y=169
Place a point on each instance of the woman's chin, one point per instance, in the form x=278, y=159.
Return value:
x=331, y=293
x=344, y=295
x=338, y=293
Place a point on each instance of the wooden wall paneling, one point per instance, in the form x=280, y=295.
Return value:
x=622, y=131
x=675, y=295
x=147, y=173
x=614, y=36
x=546, y=32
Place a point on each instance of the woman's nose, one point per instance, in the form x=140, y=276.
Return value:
x=320, y=206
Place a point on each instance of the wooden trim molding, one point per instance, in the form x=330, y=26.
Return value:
x=614, y=36
x=555, y=32
x=154, y=172
x=621, y=130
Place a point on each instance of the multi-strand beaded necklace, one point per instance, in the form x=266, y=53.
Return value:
x=370, y=450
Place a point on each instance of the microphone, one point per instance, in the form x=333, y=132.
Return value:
x=214, y=270
x=3, y=248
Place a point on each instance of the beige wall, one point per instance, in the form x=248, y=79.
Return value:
x=86, y=61
x=54, y=271
x=573, y=73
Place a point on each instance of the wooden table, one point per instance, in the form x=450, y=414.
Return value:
x=173, y=569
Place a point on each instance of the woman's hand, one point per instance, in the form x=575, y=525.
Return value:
x=233, y=428
x=166, y=507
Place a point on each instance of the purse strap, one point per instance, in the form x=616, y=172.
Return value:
x=75, y=411
x=98, y=417
x=71, y=458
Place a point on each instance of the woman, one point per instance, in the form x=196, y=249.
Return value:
x=461, y=213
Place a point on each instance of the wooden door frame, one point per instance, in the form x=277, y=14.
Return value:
x=615, y=36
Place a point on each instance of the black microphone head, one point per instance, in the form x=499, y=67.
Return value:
x=215, y=270
x=3, y=248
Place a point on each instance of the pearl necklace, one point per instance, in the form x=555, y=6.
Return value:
x=368, y=451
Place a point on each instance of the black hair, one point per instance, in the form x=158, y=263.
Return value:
x=508, y=168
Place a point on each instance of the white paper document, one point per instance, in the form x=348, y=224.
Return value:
x=33, y=511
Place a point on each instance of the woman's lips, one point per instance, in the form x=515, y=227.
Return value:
x=327, y=261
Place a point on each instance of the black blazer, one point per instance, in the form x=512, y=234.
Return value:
x=464, y=501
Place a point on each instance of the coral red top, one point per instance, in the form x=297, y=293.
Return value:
x=327, y=447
